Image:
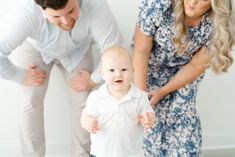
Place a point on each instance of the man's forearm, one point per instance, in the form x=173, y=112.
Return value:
x=9, y=71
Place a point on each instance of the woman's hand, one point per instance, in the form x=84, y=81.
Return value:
x=155, y=96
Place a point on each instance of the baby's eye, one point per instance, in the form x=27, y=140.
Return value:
x=124, y=69
x=111, y=70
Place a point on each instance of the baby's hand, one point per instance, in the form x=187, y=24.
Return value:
x=147, y=119
x=89, y=123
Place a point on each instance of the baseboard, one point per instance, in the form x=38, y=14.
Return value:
x=61, y=147
x=55, y=148
x=212, y=142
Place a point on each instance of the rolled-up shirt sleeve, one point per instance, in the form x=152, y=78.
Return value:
x=14, y=29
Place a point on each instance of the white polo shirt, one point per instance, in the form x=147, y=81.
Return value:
x=120, y=133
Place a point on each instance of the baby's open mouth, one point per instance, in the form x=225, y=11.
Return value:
x=118, y=81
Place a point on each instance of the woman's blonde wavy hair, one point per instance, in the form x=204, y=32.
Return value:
x=222, y=15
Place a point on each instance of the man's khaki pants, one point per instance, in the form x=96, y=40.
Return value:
x=31, y=115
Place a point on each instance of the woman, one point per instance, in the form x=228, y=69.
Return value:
x=174, y=43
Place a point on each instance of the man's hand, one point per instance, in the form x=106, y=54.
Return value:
x=81, y=81
x=89, y=123
x=34, y=76
x=147, y=119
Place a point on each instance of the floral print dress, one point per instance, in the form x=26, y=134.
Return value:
x=177, y=130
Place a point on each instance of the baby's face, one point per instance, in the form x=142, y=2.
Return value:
x=117, y=72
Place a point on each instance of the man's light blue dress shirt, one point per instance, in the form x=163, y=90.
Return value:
x=26, y=20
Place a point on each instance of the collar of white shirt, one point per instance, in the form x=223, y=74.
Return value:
x=134, y=92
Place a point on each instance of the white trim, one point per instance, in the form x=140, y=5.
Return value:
x=212, y=142
x=57, y=148
x=60, y=147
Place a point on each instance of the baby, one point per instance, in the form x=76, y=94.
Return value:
x=114, y=112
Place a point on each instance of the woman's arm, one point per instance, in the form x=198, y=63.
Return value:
x=142, y=48
x=185, y=75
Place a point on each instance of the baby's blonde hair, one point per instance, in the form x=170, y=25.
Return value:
x=116, y=51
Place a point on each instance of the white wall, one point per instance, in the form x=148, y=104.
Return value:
x=215, y=100
x=216, y=106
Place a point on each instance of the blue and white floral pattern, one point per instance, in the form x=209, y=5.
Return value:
x=177, y=131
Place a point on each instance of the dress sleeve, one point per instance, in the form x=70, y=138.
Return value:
x=151, y=14
x=208, y=30
x=209, y=36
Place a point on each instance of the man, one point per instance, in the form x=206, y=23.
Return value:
x=43, y=33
